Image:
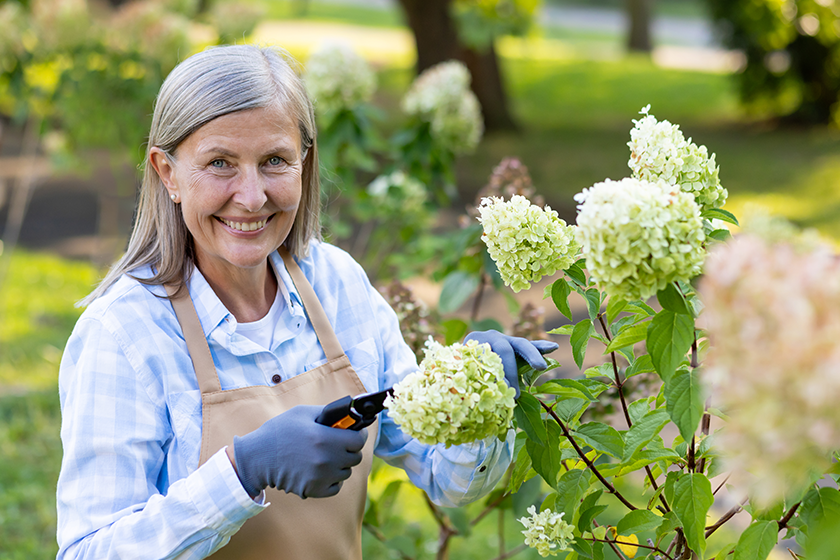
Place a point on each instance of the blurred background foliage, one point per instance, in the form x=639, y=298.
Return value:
x=557, y=102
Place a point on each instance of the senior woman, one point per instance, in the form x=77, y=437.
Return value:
x=190, y=385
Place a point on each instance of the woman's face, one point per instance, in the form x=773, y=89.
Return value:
x=238, y=181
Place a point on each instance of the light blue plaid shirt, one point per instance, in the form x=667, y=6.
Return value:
x=130, y=485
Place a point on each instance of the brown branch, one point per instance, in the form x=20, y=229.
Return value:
x=512, y=552
x=705, y=427
x=490, y=507
x=788, y=516
x=726, y=517
x=610, y=488
x=725, y=480
x=378, y=535
x=478, y=297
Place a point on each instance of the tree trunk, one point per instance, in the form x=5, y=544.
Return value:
x=639, y=19
x=436, y=39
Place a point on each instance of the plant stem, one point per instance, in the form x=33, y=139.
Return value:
x=501, y=532
x=725, y=480
x=653, y=548
x=477, y=302
x=382, y=538
x=490, y=507
x=788, y=516
x=511, y=552
x=691, y=465
x=726, y=517
x=620, y=385
x=705, y=426
x=610, y=488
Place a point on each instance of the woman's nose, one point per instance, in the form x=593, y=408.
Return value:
x=250, y=192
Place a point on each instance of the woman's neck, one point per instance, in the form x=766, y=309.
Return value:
x=247, y=293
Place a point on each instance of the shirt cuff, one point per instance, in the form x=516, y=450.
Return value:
x=219, y=497
x=494, y=456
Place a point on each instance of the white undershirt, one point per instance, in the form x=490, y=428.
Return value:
x=262, y=331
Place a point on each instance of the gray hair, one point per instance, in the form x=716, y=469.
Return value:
x=208, y=85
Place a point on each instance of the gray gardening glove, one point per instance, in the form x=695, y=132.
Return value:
x=509, y=348
x=292, y=452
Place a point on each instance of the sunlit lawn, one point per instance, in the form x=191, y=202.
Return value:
x=575, y=116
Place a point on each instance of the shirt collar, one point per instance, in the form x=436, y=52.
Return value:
x=212, y=311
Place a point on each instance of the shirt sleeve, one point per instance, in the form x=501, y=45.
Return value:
x=451, y=477
x=115, y=437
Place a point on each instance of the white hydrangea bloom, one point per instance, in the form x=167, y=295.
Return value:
x=459, y=395
x=398, y=192
x=638, y=236
x=658, y=150
x=442, y=97
x=337, y=78
x=771, y=316
x=547, y=532
x=525, y=241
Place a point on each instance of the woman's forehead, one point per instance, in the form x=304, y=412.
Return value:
x=250, y=127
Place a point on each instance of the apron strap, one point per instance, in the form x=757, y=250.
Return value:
x=312, y=306
x=199, y=350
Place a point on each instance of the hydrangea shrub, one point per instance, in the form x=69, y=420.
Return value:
x=442, y=97
x=458, y=395
x=638, y=236
x=337, y=78
x=658, y=150
x=525, y=241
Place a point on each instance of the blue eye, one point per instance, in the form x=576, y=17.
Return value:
x=275, y=160
x=218, y=163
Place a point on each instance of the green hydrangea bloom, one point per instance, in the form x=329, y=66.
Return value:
x=639, y=236
x=459, y=395
x=442, y=97
x=337, y=79
x=658, y=150
x=525, y=241
x=547, y=532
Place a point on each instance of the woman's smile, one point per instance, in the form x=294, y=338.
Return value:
x=245, y=225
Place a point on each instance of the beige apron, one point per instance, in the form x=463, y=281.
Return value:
x=290, y=528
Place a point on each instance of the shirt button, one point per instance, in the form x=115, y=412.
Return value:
x=276, y=378
x=483, y=468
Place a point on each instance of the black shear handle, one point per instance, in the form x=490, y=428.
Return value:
x=339, y=414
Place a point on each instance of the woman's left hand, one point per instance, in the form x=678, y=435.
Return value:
x=509, y=348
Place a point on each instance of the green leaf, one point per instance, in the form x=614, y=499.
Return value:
x=643, y=431
x=669, y=523
x=588, y=515
x=527, y=496
x=638, y=521
x=719, y=234
x=628, y=336
x=454, y=330
x=684, y=401
x=521, y=470
x=567, y=388
x=642, y=364
x=692, y=500
x=564, y=330
x=528, y=414
x=570, y=410
x=593, y=302
x=614, y=307
x=820, y=504
x=602, y=437
x=546, y=457
x=560, y=291
x=720, y=214
x=487, y=324
x=757, y=541
x=575, y=272
x=646, y=457
x=603, y=370
x=457, y=287
x=570, y=489
x=725, y=551
x=672, y=299
x=579, y=340
x=669, y=337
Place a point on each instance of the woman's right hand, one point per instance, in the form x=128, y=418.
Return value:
x=292, y=452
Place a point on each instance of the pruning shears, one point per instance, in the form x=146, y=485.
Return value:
x=354, y=413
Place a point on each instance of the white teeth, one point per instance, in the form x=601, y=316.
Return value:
x=244, y=226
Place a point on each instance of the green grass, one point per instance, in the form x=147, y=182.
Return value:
x=38, y=313
x=340, y=13
x=31, y=451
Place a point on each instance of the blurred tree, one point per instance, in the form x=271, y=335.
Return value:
x=639, y=19
x=792, y=50
x=466, y=30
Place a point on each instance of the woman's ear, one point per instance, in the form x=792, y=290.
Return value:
x=163, y=167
